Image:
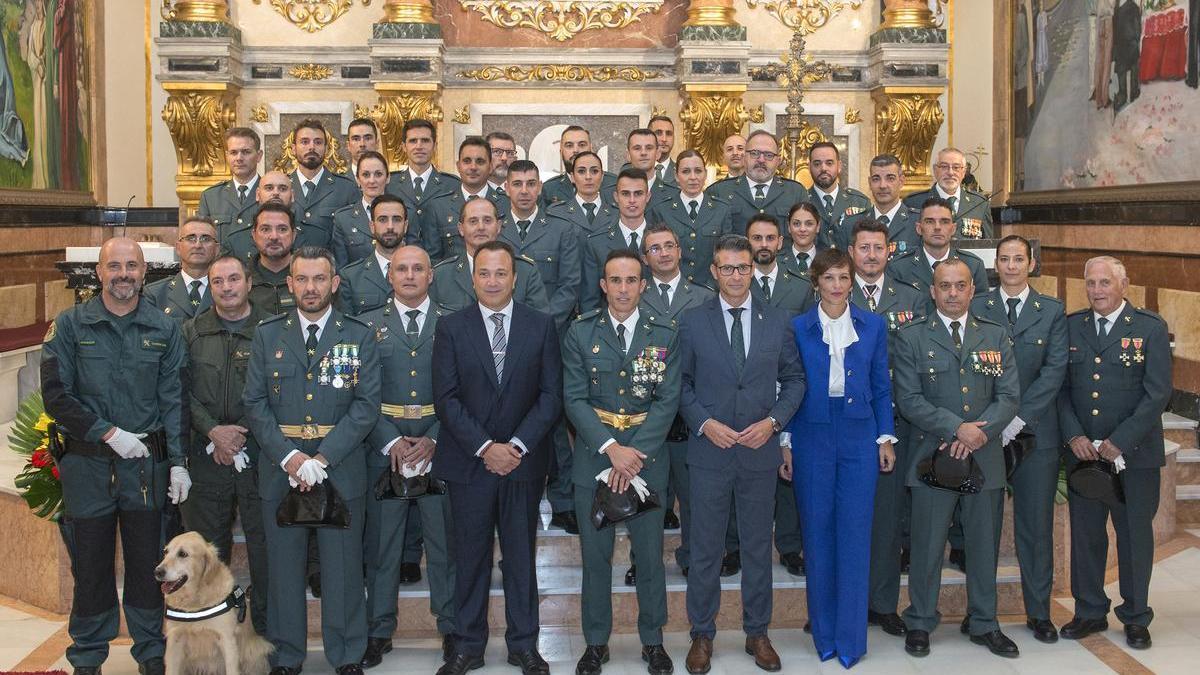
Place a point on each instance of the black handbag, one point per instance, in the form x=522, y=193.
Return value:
x=1018, y=449
x=393, y=485
x=610, y=508
x=319, y=506
x=943, y=472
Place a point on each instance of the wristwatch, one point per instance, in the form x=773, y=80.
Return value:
x=775, y=425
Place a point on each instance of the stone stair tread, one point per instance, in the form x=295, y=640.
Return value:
x=1187, y=455
x=1187, y=492
x=1175, y=421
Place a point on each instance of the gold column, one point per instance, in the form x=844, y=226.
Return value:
x=710, y=13
x=408, y=11
x=712, y=113
x=398, y=103
x=197, y=115
x=907, y=120
x=196, y=10
x=907, y=14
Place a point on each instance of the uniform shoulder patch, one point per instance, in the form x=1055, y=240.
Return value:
x=591, y=313
x=856, y=193
x=50, y=333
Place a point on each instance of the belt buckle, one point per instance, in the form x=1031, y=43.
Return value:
x=412, y=412
x=308, y=432
x=620, y=422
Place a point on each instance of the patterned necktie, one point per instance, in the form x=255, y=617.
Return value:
x=621, y=337
x=736, y=340
x=242, y=190
x=802, y=261
x=194, y=295
x=411, y=328
x=692, y=210
x=953, y=205
x=523, y=228
x=310, y=345
x=418, y=190
x=499, y=344
x=760, y=192
x=828, y=205
x=870, y=289
x=633, y=240
x=1012, y=310
x=766, y=288
x=309, y=186
x=1102, y=327
x=665, y=292
x=955, y=334
x=591, y=212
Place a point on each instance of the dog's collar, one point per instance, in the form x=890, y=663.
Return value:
x=236, y=600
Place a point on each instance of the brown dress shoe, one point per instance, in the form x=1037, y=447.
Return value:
x=699, y=657
x=764, y=654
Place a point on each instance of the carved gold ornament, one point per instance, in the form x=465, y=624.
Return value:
x=561, y=19
x=395, y=107
x=709, y=117
x=805, y=16
x=656, y=111
x=287, y=158
x=907, y=120
x=197, y=114
x=312, y=15
x=310, y=71
x=463, y=115
x=560, y=73
x=258, y=114
x=213, y=11
x=853, y=116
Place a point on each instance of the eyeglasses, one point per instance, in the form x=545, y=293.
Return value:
x=728, y=270
x=501, y=152
x=659, y=248
x=953, y=167
x=762, y=154
x=202, y=239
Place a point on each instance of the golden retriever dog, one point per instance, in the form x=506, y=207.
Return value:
x=193, y=580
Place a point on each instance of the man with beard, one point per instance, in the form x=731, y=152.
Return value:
x=504, y=152
x=365, y=284
x=312, y=396
x=836, y=203
x=274, y=186
x=562, y=188
x=440, y=215
x=273, y=237
x=420, y=182
x=231, y=204
x=664, y=136
x=186, y=294
x=114, y=377
x=361, y=136
x=222, y=453
x=759, y=190
x=936, y=227
x=733, y=156
x=972, y=211
x=318, y=193
x=886, y=181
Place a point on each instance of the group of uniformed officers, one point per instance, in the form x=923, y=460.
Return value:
x=295, y=346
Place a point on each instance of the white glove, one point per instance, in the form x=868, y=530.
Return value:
x=311, y=472
x=410, y=471
x=1010, y=432
x=241, y=461
x=181, y=484
x=638, y=484
x=1118, y=463
x=210, y=447
x=128, y=445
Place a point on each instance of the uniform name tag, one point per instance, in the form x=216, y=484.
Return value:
x=157, y=345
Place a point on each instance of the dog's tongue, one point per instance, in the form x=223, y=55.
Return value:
x=166, y=587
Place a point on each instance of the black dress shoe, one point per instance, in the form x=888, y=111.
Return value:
x=284, y=670
x=794, y=562
x=590, y=662
x=155, y=666
x=314, y=584
x=566, y=520
x=349, y=669
x=531, y=662
x=998, y=644
x=965, y=626
x=459, y=664
x=891, y=623
x=410, y=573
x=684, y=569
x=731, y=564
x=86, y=670
x=1079, y=628
x=1137, y=637
x=376, y=648
x=808, y=627
x=631, y=576
x=1043, y=630
x=916, y=642
x=670, y=521
x=958, y=558
x=905, y=557
x=659, y=660
x=447, y=648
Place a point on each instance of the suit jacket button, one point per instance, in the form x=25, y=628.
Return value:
x=1095, y=376
x=1095, y=412
x=308, y=397
x=849, y=400
x=1098, y=359
x=1095, y=394
x=966, y=408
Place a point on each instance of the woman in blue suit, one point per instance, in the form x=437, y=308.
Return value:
x=842, y=438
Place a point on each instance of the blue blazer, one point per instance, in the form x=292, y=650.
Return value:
x=868, y=383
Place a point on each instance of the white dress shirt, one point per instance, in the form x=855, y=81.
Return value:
x=773, y=276
x=891, y=215
x=424, y=178
x=626, y=231
x=946, y=195
x=878, y=284
x=962, y=324
x=821, y=194
x=754, y=187
x=812, y=254
x=490, y=327
x=630, y=324
x=672, y=286
x=687, y=201
x=597, y=202
x=250, y=186
x=1112, y=318
x=385, y=265
x=316, y=180
x=466, y=195
x=187, y=282
x=1022, y=296
x=725, y=314
x=932, y=260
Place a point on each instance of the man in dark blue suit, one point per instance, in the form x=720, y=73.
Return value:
x=497, y=384
x=733, y=351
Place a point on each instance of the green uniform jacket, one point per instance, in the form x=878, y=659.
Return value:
x=606, y=216
x=352, y=239
x=439, y=222
x=899, y=304
x=974, y=217
x=686, y=296
x=560, y=190
x=314, y=213
x=171, y=296
x=938, y=387
x=222, y=204
x=696, y=238
x=792, y=293
x=781, y=196
x=595, y=252
x=553, y=245
x=269, y=291
x=401, y=185
x=913, y=269
x=849, y=204
x=284, y=386
x=597, y=374
x=239, y=242
x=452, y=287
x=363, y=286
x=217, y=360
x=96, y=376
x=902, y=231
x=1112, y=393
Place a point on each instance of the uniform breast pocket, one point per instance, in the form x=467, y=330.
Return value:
x=357, y=237
x=935, y=374
x=95, y=372
x=279, y=376
x=601, y=372
x=547, y=264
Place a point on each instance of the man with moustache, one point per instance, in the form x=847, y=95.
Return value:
x=274, y=233
x=504, y=152
x=403, y=441
x=114, y=377
x=453, y=287
x=936, y=229
x=318, y=193
x=972, y=211
x=273, y=186
x=632, y=198
x=1037, y=328
x=231, y=204
x=835, y=202
x=440, y=215
x=560, y=189
x=733, y=156
x=311, y=416
x=886, y=182
x=899, y=304
x=186, y=294
x=361, y=136
x=222, y=453
x=664, y=136
x=365, y=285
x=759, y=190
x=419, y=182
x=586, y=208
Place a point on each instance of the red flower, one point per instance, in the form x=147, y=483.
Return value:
x=54, y=472
x=40, y=458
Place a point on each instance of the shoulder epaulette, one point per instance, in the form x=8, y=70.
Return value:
x=272, y=319
x=345, y=208
x=1145, y=312
x=451, y=260
x=356, y=319
x=963, y=253
x=526, y=259
x=1079, y=312
x=980, y=319
x=588, y=314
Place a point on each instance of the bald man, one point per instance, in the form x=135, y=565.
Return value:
x=114, y=377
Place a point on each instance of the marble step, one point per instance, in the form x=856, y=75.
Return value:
x=1180, y=429
x=1187, y=505
x=1187, y=467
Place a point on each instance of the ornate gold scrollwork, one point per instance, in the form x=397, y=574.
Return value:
x=258, y=114
x=805, y=16
x=197, y=114
x=853, y=116
x=907, y=120
x=287, y=159
x=560, y=73
x=312, y=15
x=310, y=71
x=195, y=10
x=399, y=103
x=810, y=134
x=463, y=115
x=712, y=115
x=656, y=111
x=561, y=19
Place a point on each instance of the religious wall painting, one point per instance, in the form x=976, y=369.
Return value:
x=46, y=84
x=1105, y=99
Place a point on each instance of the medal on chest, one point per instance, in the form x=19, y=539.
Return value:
x=649, y=369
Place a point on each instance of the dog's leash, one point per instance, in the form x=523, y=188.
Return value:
x=236, y=600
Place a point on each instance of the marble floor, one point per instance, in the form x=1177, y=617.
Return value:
x=32, y=640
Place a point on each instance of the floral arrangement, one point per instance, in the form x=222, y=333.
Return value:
x=38, y=482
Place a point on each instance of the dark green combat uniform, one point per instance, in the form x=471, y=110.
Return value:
x=269, y=291
x=173, y=296
x=217, y=360
x=101, y=371
x=697, y=236
x=595, y=250
x=403, y=185
x=630, y=396
x=553, y=245
x=314, y=211
x=452, y=287
x=972, y=216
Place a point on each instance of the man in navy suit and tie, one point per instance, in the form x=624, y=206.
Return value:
x=497, y=385
x=733, y=351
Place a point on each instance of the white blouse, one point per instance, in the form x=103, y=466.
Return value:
x=839, y=334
